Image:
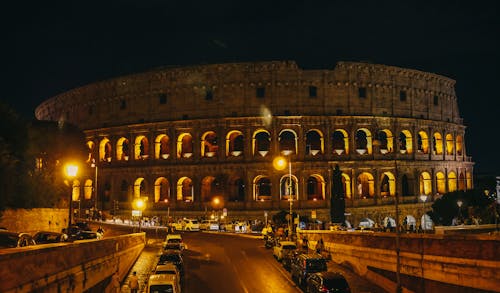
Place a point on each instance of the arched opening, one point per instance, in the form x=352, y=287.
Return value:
x=461, y=181
x=423, y=142
x=234, y=143
x=440, y=183
x=141, y=148
x=75, y=191
x=162, y=190
x=122, y=149
x=88, y=189
x=261, y=142
x=387, y=184
x=209, y=144
x=405, y=185
x=139, y=187
x=286, y=189
x=366, y=187
x=314, y=142
x=315, y=187
x=346, y=184
x=184, y=145
x=363, y=141
x=262, y=188
x=449, y=144
x=185, y=190
x=90, y=148
x=425, y=183
x=237, y=190
x=162, y=147
x=105, y=150
x=123, y=197
x=340, y=142
x=459, y=145
x=287, y=142
x=468, y=177
x=405, y=142
x=452, y=181
x=386, y=141
x=437, y=143
x=210, y=187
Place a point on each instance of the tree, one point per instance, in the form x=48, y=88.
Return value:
x=337, y=200
x=474, y=203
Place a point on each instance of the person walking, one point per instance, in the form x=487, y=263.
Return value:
x=133, y=283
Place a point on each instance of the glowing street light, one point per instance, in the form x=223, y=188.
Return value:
x=138, y=206
x=280, y=163
x=71, y=172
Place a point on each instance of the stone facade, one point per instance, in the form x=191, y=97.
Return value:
x=181, y=137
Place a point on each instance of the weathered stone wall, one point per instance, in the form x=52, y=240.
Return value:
x=32, y=220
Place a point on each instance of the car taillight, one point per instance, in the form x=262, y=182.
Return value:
x=323, y=289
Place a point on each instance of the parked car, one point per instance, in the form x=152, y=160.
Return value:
x=171, y=256
x=78, y=232
x=178, y=246
x=288, y=256
x=305, y=264
x=186, y=225
x=282, y=247
x=44, y=237
x=209, y=225
x=9, y=239
x=163, y=283
x=168, y=269
x=327, y=282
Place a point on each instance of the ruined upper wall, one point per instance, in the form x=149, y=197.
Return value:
x=233, y=89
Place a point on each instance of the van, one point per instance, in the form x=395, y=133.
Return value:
x=163, y=283
x=305, y=264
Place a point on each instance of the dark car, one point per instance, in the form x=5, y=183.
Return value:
x=305, y=264
x=44, y=237
x=286, y=261
x=80, y=231
x=327, y=282
x=172, y=256
x=9, y=239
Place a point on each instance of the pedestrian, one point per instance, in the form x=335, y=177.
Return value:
x=305, y=246
x=116, y=282
x=319, y=245
x=133, y=283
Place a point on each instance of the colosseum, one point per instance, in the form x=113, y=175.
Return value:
x=182, y=136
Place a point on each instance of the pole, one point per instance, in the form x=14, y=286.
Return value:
x=70, y=210
x=398, y=264
x=95, y=192
x=290, y=198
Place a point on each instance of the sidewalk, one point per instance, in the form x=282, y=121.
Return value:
x=145, y=264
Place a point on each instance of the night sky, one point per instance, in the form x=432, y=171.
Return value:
x=49, y=48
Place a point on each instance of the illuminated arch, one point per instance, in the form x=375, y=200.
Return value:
x=209, y=146
x=440, y=183
x=449, y=144
x=452, y=181
x=340, y=141
x=386, y=141
x=285, y=187
x=459, y=145
x=437, y=141
x=261, y=188
x=122, y=149
x=162, y=147
x=162, y=190
x=141, y=147
x=405, y=142
x=314, y=142
x=75, y=190
x=236, y=189
x=423, y=142
x=425, y=183
x=315, y=187
x=234, y=143
x=287, y=139
x=365, y=185
x=185, y=190
x=363, y=141
x=461, y=181
x=346, y=184
x=105, y=150
x=90, y=148
x=261, y=142
x=139, y=187
x=387, y=184
x=88, y=189
x=468, y=179
x=184, y=145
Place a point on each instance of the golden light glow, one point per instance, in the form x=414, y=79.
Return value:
x=71, y=170
x=279, y=163
x=139, y=204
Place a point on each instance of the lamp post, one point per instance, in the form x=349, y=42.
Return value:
x=423, y=198
x=71, y=171
x=139, y=205
x=280, y=163
x=94, y=165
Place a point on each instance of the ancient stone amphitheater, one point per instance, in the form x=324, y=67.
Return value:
x=183, y=136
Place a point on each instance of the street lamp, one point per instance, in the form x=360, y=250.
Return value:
x=138, y=205
x=280, y=164
x=423, y=198
x=94, y=165
x=459, y=204
x=71, y=171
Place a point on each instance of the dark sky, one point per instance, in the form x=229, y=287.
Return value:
x=49, y=47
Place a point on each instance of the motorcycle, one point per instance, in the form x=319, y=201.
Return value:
x=269, y=242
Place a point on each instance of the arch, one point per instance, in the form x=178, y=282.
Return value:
x=235, y=144
x=422, y=142
x=185, y=190
x=468, y=179
x=105, y=150
x=316, y=187
x=209, y=146
x=405, y=186
x=122, y=149
x=459, y=145
x=405, y=142
x=387, y=184
x=440, y=183
x=236, y=190
x=314, y=142
x=287, y=139
x=340, y=142
x=452, y=181
x=141, y=148
x=449, y=144
x=162, y=147
x=366, y=186
x=261, y=188
x=363, y=141
x=75, y=190
x=437, y=143
x=162, y=190
x=208, y=184
x=461, y=181
x=425, y=183
x=346, y=184
x=90, y=148
x=184, y=145
x=139, y=187
x=261, y=142
x=285, y=191
x=88, y=189
x=386, y=141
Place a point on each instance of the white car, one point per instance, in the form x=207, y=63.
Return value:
x=283, y=247
x=163, y=283
x=168, y=269
x=186, y=225
x=209, y=225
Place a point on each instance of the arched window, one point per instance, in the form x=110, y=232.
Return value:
x=459, y=145
x=262, y=188
x=210, y=187
x=314, y=142
x=234, y=143
x=122, y=149
x=90, y=147
x=315, y=187
x=363, y=141
x=75, y=191
x=185, y=190
x=340, y=142
x=461, y=181
x=162, y=190
x=423, y=142
x=162, y=147
x=105, y=150
x=286, y=189
x=287, y=142
x=425, y=183
x=405, y=142
x=139, y=187
x=468, y=180
x=261, y=142
x=365, y=185
x=346, y=184
x=437, y=143
x=237, y=190
x=440, y=183
x=141, y=148
x=386, y=141
x=387, y=184
x=184, y=145
x=449, y=144
x=88, y=189
x=452, y=181
x=209, y=144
